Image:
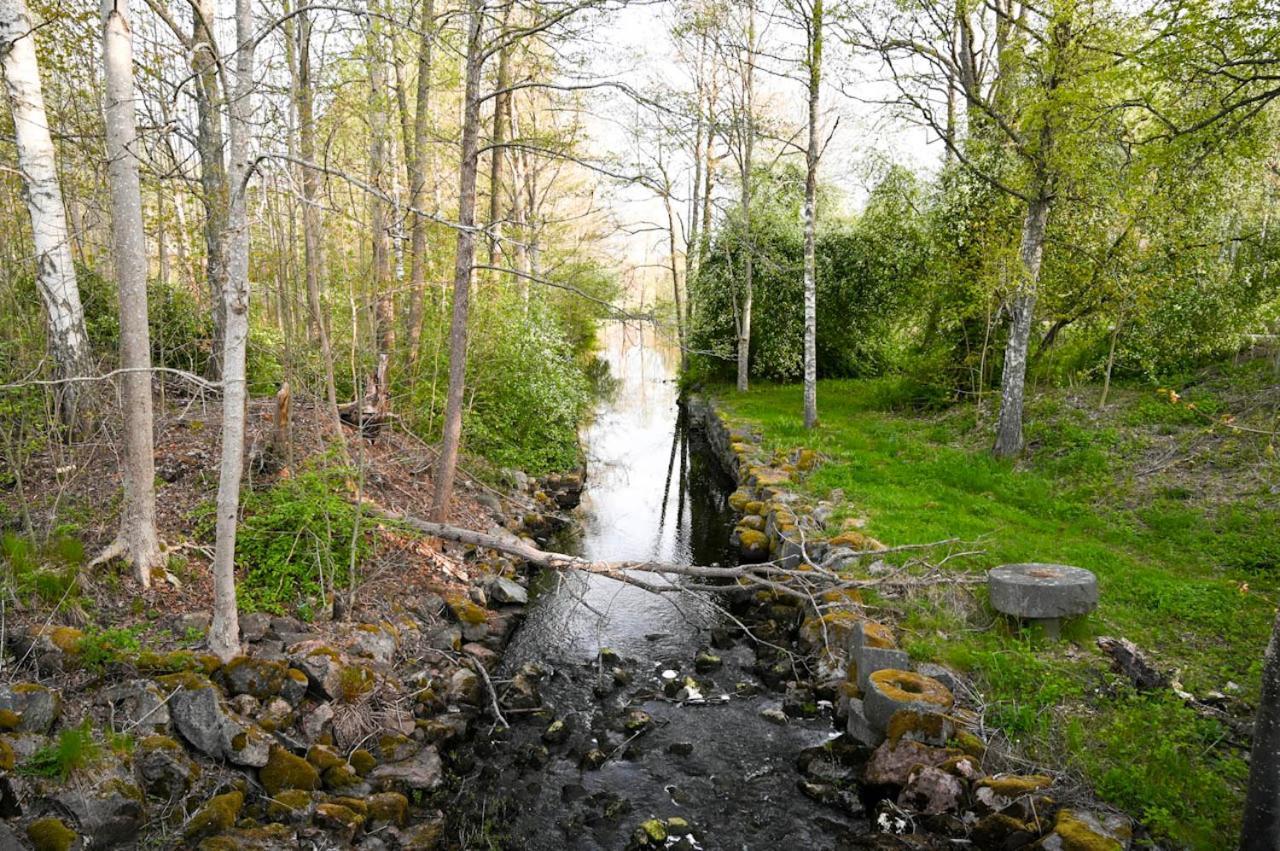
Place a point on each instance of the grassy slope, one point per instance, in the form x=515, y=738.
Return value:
x=1181, y=555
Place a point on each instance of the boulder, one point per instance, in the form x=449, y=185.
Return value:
x=218, y=814
x=254, y=626
x=323, y=667
x=28, y=707
x=141, y=704
x=317, y=722
x=52, y=834
x=891, y=765
x=110, y=811
x=163, y=767
x=287, y=771
x=931, y=791
x=375, y=642
x=209, y=726
x=508, y=592
x=420, y=773
x=261, y=678
x=1082, y=830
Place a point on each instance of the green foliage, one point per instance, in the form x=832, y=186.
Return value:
x=529, y=382
x=102, y=647
x=296, y=537
x=74, y=749
x=181, y=329
x=866, y=270
x=47, y=572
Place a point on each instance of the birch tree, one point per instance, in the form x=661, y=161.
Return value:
x=224, y=632
x=137, y=540
x=812, y=20
x=68, y=341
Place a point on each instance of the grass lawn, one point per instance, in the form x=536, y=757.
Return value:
x=1180, y=522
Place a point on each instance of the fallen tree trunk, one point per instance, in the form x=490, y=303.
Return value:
x=804, y=583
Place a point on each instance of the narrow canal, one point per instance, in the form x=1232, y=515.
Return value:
x=609, y=659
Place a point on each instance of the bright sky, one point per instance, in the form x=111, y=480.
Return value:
x=635, y=47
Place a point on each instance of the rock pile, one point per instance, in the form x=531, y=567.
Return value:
x=311, y=739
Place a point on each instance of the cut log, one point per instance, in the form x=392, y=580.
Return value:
x=1128, y=661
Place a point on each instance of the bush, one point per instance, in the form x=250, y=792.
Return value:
x=295, y=539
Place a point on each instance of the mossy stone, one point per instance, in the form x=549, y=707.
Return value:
x=362, y=761
x=7, y=757
x=356, y=805
x=287, y=803
x=465, y=611
x=389, y=807
x=338, y=817
x=66, y=638
x=738, y=500
x=287, y=771
x=324, y=757
x=395, y=747
x=1016, y=785
x=51, y=834
x=341, y=777
x=217, y=815
x=652, y=830
x=1081, y=831
x=9, y=720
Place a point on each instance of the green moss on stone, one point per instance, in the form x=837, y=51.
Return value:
x=217, y=815
x=324, y=757
x=287, y=771
x=389, y=807
x=50, y=834
x=362, y=761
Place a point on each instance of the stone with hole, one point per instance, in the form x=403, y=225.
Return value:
x=890, y=691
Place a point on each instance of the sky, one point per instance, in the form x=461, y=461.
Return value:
x=634, y=47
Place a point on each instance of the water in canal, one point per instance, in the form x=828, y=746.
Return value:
x=654, y=492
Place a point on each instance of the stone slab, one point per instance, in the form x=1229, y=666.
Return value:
x=872, y=659
x=1042, y=590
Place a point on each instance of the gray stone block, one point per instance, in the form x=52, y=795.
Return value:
x=940, y=673
x=859, y=727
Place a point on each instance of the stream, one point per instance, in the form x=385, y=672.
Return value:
x=599, y=650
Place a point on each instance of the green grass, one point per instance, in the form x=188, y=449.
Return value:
x=1190, y=580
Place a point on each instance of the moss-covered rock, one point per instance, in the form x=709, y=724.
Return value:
x=1081, y=830
x=29, y=707
x=339, y=778
x=287, y=771
x=389, y=808
x=362, y=761
x=395, y=747
x=324, y=757
x=753, y=545
x=164, y=767
x=855, y=540
x=290, y=805
x=1015, y=785
x=932, y=728
x=738, y=500
x=51, y=834
x=262, y=678
x=343, y=821
x=217, y=815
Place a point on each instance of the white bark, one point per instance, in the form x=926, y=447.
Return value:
x=138, y=540
x=748, y=131
x=1013, y=378
x=55, y=274
x=811, y=224
x=224, y=633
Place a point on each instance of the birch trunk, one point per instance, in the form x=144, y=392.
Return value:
x=418, y=181
x=55, y=273
x=380, y=177
x=748, y=131
x=1262, y=803
x=501, y=108
x=811, y=224
x=224, y=633
x=464, y=258
x=137, y=540
x=1013, y=379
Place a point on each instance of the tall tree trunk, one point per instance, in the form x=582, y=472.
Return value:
x=312, y=239
x=1022, y=309
x=137, y=540
x=1262, y=803
x=501, y=112
x=811, y=224
x=55, y=273
x=418, y=181
x=464, y=259
x=675, y=276
x=380, y=177
x=748, y=130
x=224, y=633
x=213, y=168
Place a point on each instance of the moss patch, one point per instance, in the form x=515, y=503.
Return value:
x=218, y=814
x=287, y=771
x=50, y=834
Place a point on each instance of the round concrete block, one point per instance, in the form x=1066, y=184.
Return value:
x=889, y=691
x=1040, y=591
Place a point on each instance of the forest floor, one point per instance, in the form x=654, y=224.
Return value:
x=65, y=509
x=1177, y=517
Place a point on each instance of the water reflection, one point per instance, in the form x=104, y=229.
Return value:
x=651, y=495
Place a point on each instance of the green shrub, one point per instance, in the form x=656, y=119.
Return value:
x=295, y=537
x=102, y=647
